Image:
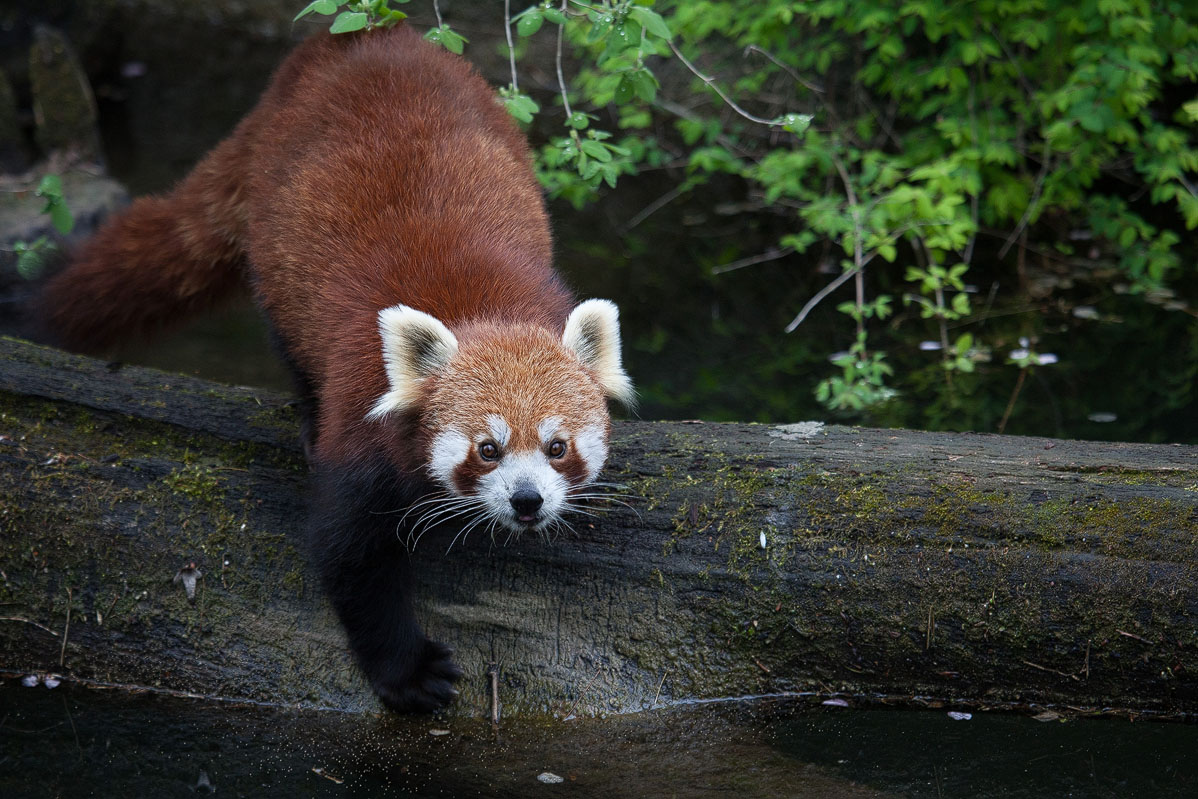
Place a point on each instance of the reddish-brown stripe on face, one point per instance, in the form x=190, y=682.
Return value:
x=470, y=471
x=572, y=466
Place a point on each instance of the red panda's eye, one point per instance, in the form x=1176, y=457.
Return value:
x=488, y=451
x=557, y=449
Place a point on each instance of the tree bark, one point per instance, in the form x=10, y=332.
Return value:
x=752, y=559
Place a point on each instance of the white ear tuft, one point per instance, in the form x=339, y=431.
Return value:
x=593, y=334
x=415, y=346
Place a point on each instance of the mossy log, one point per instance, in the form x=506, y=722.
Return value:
x=755, y=559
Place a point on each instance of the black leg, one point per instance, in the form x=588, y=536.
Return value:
x=364, y=567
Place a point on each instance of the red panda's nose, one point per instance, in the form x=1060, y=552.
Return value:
x=526, y=503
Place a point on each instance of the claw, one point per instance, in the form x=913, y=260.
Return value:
x=427, y=687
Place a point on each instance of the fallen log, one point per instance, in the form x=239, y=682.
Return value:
x=754, y=559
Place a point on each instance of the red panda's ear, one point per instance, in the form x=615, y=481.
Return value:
x=415, y=346
x=593, y=334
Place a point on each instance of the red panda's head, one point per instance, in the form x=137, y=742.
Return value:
x=516, y=417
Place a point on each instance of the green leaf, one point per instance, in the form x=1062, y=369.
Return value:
x=326, y=7
x=50, y=188
x=554, y=15
x=61, y=217
x=29, y=264
x=610, y=172
x=349, y=21
x=651, y=21
x=596, y=150
x=644, y=84
x=520, y=106
x=31, y=256
x=623, y=36
x=794, y=123
x=530, y=22
x=625, y=90
x=447, y=38
x=578, y=120
x=453, y=41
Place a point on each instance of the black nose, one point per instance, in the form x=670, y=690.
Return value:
x=526, y=503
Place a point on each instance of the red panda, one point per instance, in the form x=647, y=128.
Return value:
x=382, y=206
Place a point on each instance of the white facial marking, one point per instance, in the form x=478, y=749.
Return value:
x=448, y=450
x=591, y=443
x=593, y=334
x=415, y=346
x=527, y=470
x=501, y=433
x=548, y=429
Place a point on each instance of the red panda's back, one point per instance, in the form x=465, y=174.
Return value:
x=384, y=171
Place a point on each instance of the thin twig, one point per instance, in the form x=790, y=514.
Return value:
x=511, y=50
x=660, y=683
x=561, y=80
x=858, y=239
x=768, y=255
x=1011, y=403
x=1051, y=671
x=656, y=206
x=437, y=11
x=967, y=256
x=62, y=653
x=787, y=68
x=493, y=676
x=582, y=694
x=712, y=84
x=29, y=621
x=1045, y=165
x=835, y=284
x=1137, y=637
x=819, y=295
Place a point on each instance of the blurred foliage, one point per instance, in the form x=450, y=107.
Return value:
x=918, y=148
x=943, y=160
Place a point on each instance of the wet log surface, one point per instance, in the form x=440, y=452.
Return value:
x=755, y=559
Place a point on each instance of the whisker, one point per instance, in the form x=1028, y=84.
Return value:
x=459, y=534
x=439, y=497
x=579, y=509
x=579, y=492
x=590, y=499
x=465, y=531
x=438, y=514
x=441, y=511
x=425, y=508
x=603, y=495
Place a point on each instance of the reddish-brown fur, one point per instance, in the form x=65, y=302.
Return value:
x=376, y=169
x=516, y=373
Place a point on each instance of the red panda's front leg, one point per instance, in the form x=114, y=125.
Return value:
x=364, y=568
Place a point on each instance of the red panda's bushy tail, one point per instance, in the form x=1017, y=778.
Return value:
x=157, y=262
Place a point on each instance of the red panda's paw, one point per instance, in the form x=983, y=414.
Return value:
x=427, y=687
